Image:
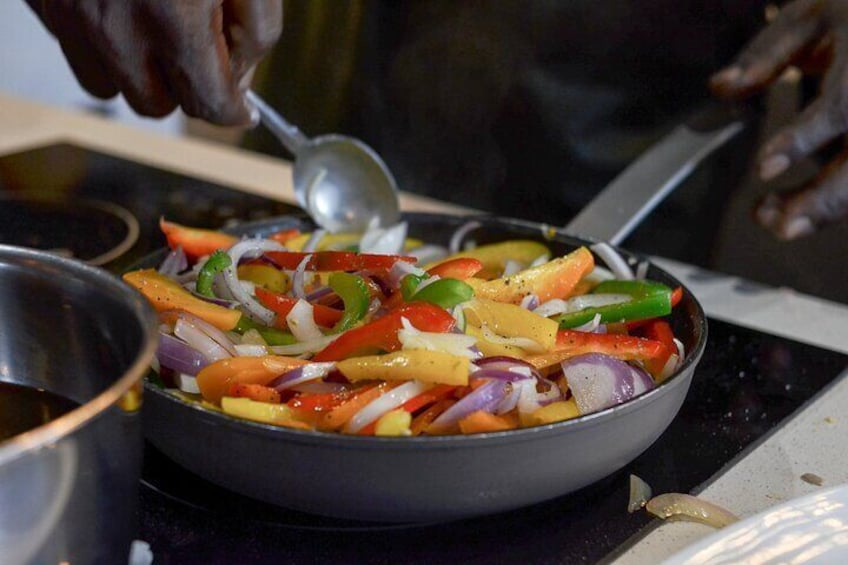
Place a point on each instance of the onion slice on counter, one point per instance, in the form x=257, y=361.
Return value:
x=599, y=381
x=679, y=506
x=252, y=306
x=640, y=494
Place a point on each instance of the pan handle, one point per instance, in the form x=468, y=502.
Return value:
x=622, y=205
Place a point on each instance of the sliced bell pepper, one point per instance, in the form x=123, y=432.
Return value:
x=282, y=305
x=265, y=276
x=554, y=279
x=446, y=293
x=335, y=260
x=263, y=412
x=419, y=364
x=659, y=330
x=380, y=335
x=570, y=343
x=509, y=320
x=338, y=416
x=480, y=422
x=457, y=268
x=553, y=412
x=165, y=294
x=427, y=397
x=285, y=236
x=494, y=257
x=355, y=295
x=259, y=393
x=217, y=262
x=394, y=423
x=649, y=299
x=272, y=336
x=196, y=242
x=215, y=379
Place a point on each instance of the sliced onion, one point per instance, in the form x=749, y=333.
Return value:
x=428, y=253
x=486, y=397
x=251, y=306
x=505, y=375
x=301, y=348
x=540, y=260
x=210, y=330
x=187, y=383
x=394, y=398
x=301, y=322
x=681, y=349
x=669, y=367
x=510, y=401
x=251, y=350
x=318, y=294
x=457, y=344
x=511, y=267
x=599, y=381
x=177, y=355
x=592, y=326
x=642, y=270
x=384, y=241
x=196, y=338
x=458, y=313
x=679, y=506
x=505, y=363
x=556, y=306
x=299, y=278
x=400, y=269
x=301, y=374
x=640, y=494
x=530, y=302
x=530, y=399
x=174, y=263
x=613, y=260
x=459, y=234
x=313, y=241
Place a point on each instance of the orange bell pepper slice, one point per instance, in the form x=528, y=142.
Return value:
x=196, y=242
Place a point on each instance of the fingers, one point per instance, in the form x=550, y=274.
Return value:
x=797, y=27
x=798, y=214
x=252, y=28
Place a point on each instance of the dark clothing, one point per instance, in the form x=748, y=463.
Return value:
x=519, y=107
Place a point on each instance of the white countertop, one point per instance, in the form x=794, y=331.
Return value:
x=814, y=440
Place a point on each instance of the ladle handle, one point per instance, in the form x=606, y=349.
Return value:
x=287, y=133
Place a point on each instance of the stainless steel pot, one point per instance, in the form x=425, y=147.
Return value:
x=68, y=488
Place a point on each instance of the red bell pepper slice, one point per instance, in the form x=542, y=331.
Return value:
x=195, y=242
x=335, y=260
x=282, y=305
x=283, y=236
x=659, y=330
x=380, y=335
x=460, y=268
x=257, y=392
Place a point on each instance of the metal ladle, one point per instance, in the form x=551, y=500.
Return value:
x=341, y=182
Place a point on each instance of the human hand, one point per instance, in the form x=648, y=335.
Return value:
x=196, y=54
x=814, y=35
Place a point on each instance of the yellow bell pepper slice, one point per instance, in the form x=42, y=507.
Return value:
x=509, y=320
x=166, y=294
x=394, y=423
x=554, y=279
x=494, y=256
x=263, y=412
x=419, y=364
x=265, y=276
x=492, y=349
x=553, y=412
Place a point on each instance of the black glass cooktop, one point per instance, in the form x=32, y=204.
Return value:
x=744, y=388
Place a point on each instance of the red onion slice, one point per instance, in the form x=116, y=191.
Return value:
x=302, y=374
x=175, y=263
x=196, y=338
x=177, y=355
x=486, y=397
x=599, y=381
x=210, y=330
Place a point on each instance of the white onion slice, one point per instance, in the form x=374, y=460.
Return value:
x=301, y=374
x=400, y=269
x=540, y=260
x=642, y=270
x=456, y=344
x=530, y=399
x=511, y=267
x=196, y=338
x=383, y=241
x=556, y=306
x=428, y=253
x=301, y=348
x=299, y=278
x=251, y=350
x=456, y=238
x=613, y=260
x=187, y=383
x=592, y=326
x=530, y=302
x=669, y=367
x=386, y=402
x=640, y=494
x=252, y=307
x=679, y=506
x=681, y=349
x=210, y=330
x=301, y=322
x=313, y=241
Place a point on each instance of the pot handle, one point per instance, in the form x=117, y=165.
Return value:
x=622, y=205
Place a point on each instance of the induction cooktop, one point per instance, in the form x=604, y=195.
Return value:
x=745, y=387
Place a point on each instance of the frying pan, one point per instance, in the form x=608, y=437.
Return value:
x=427, y=479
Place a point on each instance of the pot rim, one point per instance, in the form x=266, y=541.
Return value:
x=59, y=428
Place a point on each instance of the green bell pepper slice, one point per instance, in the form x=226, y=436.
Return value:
x=217, y=262
x=446, y=293
x=353, y=291
x=272, y=336
x=649, y=299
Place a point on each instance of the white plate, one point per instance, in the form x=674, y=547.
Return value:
x=809, y=529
